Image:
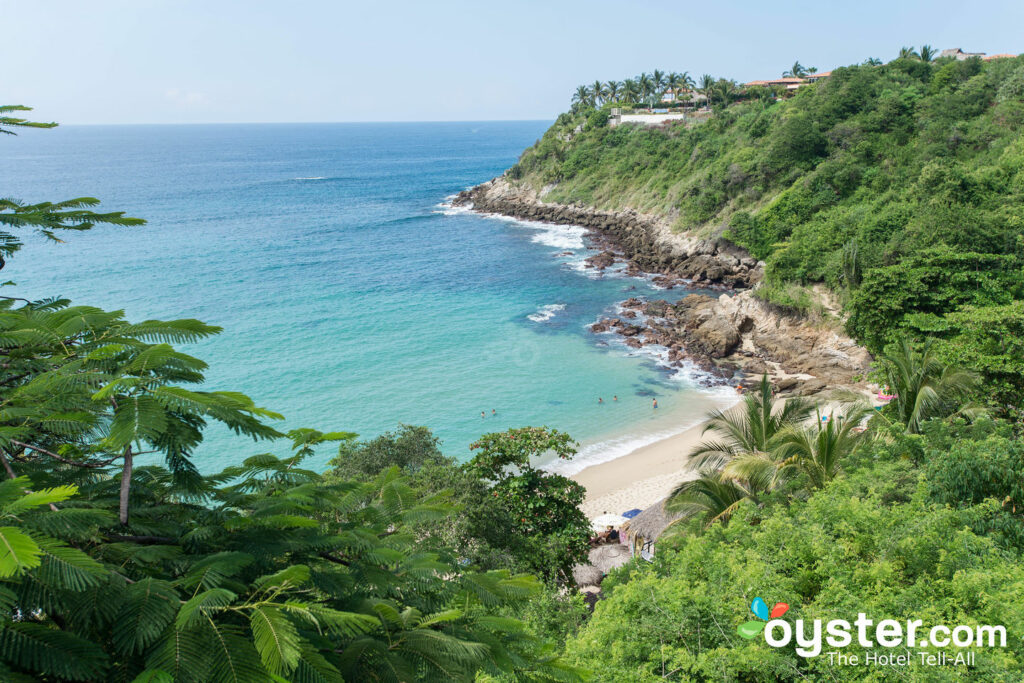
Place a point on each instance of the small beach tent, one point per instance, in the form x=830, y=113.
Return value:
x=630, y=514
x=641, y=532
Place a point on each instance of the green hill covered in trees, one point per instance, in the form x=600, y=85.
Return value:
x=900, y=186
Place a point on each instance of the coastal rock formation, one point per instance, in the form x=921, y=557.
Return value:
x=740, y=335
x=649, y=245
x=736, y=336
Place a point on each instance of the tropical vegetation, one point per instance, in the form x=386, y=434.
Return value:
x=898, y=186
x=119, y=560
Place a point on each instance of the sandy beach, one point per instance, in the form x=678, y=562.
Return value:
x=641, y=478
x=648, y=474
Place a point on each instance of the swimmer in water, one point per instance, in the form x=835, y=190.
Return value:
x=654, y=402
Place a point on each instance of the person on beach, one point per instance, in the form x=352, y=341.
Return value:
x=654, y=402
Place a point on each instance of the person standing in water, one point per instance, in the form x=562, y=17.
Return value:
x=493, y=412
x=654, y=402
x=600, y=400
x=482, y=415
x=615, y=398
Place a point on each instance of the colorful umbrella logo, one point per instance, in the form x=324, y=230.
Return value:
x=759, y=607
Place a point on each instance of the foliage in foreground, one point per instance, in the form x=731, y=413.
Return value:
x=277, y=574
x=881, y=540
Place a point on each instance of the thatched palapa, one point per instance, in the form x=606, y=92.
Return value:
x=643, y=530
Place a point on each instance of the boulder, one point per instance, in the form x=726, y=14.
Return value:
x=717, y=336
x=601, y=261
x=811, y=386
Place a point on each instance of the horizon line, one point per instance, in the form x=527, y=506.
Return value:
x=292, y=123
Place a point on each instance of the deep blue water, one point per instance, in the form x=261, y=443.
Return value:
x=351, y=299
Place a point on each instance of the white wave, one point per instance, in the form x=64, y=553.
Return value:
x=612, y=449
x=545, y=313
x=312, y=177
x=448, y=210
x=615, y=447
x=559, y=236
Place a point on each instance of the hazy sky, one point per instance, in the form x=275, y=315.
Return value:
x=185, y=61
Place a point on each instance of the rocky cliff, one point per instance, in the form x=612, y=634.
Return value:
x=735, y=336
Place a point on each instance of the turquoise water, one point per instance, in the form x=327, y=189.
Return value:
x=351, y=297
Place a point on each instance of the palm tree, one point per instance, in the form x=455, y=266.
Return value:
x=630, y=90
x=751, y=428
x=707, y=86
x=673, y=82
x=658, y=82
x=725, y=90
x=598, y=91
x=798, y=70
x=646, y=86
x=817, y=450
x=710, y=496
x=611, y=89
x=908, y=53
x=872, y=61
x=581, y=96
x=927, y=53
x=924, y=386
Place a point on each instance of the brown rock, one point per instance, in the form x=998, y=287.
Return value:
x=811, y=386
x=718, y=337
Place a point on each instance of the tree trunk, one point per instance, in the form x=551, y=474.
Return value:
x=126, y=485
x=7, y=466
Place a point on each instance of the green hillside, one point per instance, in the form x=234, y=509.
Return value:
x=901, y=186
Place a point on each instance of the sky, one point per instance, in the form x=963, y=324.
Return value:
x=222, y=61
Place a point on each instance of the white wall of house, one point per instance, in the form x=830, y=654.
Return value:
x=647, y=119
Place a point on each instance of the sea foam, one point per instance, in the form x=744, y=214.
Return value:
x=545, y=313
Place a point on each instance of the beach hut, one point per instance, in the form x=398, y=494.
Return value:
x=601, y=560
x=641, y=532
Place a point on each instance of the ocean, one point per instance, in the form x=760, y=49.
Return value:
x=351, y=295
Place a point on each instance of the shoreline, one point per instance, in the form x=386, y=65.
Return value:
x=641, y=477
x=735, y=337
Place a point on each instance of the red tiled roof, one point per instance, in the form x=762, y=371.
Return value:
x=1004, y=56
x=824, y=74
x=776, y=81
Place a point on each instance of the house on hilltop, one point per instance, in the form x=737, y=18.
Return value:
x=787, y=83
x=959, y=55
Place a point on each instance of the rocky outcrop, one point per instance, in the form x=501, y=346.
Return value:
x=646, y=243
x=735, y=336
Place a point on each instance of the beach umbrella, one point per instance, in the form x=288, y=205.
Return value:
x=630, y=514
x=607, y=519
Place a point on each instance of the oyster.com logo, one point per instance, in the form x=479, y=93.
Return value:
x=749, y=629
x=887, y=642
